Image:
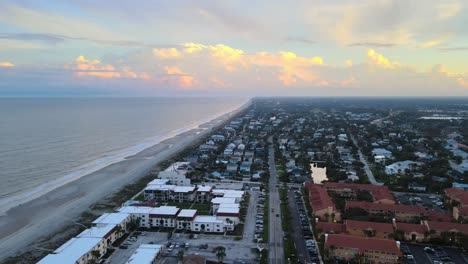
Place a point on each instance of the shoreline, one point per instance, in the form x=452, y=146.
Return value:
x=24, y=224
x=24, y=196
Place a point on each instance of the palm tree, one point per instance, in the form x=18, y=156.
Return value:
x=96, y=254
x=180, y=255
x=220, y=253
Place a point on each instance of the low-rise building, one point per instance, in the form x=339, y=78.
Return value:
x=119, y=219
x=401, y=212
x=412, y=232
x=368, y=229
x=145, y=254
x=321, y=203
x=185, y=218
x=164, y=216
x=205, y=223
x=362, y=249
x=77, y=250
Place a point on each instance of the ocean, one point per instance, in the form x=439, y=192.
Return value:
x=47, y=142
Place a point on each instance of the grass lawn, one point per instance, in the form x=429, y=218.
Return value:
x=180, y=205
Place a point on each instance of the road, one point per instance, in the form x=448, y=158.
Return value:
x=370, y=176
x=275, y=253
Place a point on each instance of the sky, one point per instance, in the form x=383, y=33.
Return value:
x=246, y=48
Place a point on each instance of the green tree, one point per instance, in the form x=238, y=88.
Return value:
x=220, y=253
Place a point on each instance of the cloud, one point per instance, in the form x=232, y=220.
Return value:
x=374, y=58
x=83, y=67
x=463, y=48
x=300, y=40
x=182, y=79
x=6, y=64
x=372, y=44
x=41, y=21
x=166, y=53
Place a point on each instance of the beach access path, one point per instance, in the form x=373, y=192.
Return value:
x=24, y=225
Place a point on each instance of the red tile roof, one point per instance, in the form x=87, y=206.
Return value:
x=327, y=227
x=362, y=243
x=453, y=191
x=408, y=228
x=447, y=226
x=386, y=207
x=319, y=198
x=364, y=225
x=436, y=216
x=378, y=192
x=463, y=211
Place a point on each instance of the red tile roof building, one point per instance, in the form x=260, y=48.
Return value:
x=401, y=212
x=330, y=228
x=440, y=227
x=460, y=196
x=321, y=203
x=365, y=249
x=412, y=232
x=380, y=194
x=369, y=229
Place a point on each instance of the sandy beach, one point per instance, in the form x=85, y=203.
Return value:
x=46, y=215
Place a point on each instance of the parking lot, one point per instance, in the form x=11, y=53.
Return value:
x=303, y=237
x=429, y=201
x=419, y=254
x=205, y=245
x=202, y=244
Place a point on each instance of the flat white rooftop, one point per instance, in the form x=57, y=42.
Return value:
x=187, y=213
x=228, y=210
x=204, y=188
x=111, y=218
x=184, y=189
x=145, y=254
x=71, y=251
x=221, y=200
x=158, y=181
x=156, y=187
x=135, y=209
x=206, y=219
x=165, y=210
x=97, y=231
x=229, y=205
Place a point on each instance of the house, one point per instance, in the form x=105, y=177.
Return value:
x=321, y=203
x=145, y=254
x=382, y=152
x=231, y=168
x=368, y=229
x=366, y=249
x=402, y=167
x=218, y=138
x=245, y=166
x=401, y=212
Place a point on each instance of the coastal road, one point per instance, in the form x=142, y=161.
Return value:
x=276, y=253
x=369, y=173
